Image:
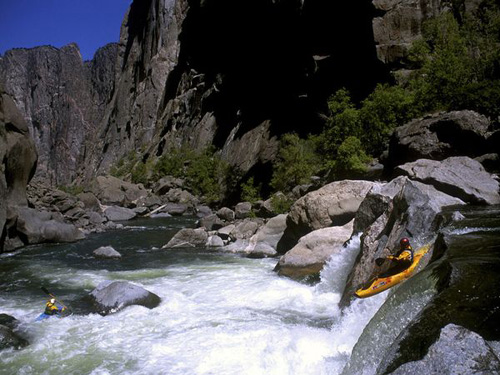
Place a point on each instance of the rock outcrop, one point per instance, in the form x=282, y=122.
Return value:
x=439, y=136
x=413, y=212
x=457, y=351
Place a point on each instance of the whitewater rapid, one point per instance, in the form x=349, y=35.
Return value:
x=220, y=314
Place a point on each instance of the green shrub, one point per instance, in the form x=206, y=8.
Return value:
x=297, y=161
x=280, y=203
x=139, y=174
x=250, y=192
x=72, y=189
x=351, y=157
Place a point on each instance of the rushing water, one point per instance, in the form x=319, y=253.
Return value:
x=220, y=313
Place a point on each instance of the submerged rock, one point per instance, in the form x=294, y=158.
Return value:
x=109, y=297
x=8, y=337
x=106, y=252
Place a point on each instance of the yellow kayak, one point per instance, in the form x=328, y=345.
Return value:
x=384, y=283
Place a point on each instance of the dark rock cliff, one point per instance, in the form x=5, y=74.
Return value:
x=18, y=156
x=232, y=74
x=62, y=100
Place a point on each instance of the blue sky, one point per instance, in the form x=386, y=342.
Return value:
x=89, y=23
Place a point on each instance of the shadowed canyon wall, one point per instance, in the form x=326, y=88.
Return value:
x=232, y=74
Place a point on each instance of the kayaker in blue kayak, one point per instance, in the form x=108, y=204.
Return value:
x=51, y=308
x=402, y=260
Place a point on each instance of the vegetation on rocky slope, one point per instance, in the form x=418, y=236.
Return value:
x=455, y=65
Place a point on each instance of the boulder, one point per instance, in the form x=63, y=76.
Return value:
x=413, y=213
x=203, y=211
x=90, y=201
x=308, y=257
x=188, y=237
x=439, y=136
x=215, y=241
x=264, y=242
x=38, y=227
x=243, y=210
x=457, y=351
x=460, y=177
x=166, y=183
x=106, y=252
x=211, y=222
x=180, y=196
x=10, y=339
x=246, y=228
x=226, y=214
x=175, y=209
x=109, y=297
x=116, y=213
x=334, y=204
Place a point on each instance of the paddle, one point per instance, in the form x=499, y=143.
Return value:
x=53, y=296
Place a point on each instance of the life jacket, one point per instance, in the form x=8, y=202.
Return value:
x=51, y=308
x=405, y=254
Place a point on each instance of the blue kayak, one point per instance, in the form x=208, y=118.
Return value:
x=43, y=316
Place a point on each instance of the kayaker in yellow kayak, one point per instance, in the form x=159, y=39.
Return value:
x=402, y=260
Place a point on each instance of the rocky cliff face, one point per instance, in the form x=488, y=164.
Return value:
x=18, y=155
x=232, y=74
x=62, y=100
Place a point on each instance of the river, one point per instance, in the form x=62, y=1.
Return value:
x=220, y=313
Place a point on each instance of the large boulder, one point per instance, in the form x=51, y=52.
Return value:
x=109, y=297
x=414, y=213
x=461, y=177
x=188, y=237
x=439, y=136
x=457, y=351
x=264, y=242
x=308, y=257
x=38, y=227
x=116, y=213
x=334, y=204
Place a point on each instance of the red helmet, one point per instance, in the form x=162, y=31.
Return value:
x=404, y=242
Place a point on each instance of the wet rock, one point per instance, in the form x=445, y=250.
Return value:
x=460, y=177
x=9, y=321
x=457, y=351
x=188, y=237
x=308, y=257
x=334, y=204
x=115, y=213
x=109, y=297
x=9, y=339
x=106, y=252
